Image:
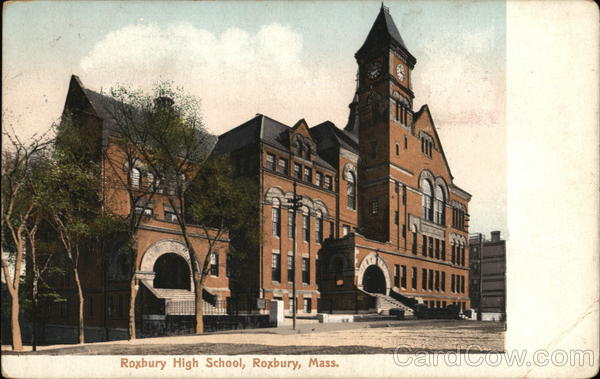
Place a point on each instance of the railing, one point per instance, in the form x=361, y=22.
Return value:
x=219, y=307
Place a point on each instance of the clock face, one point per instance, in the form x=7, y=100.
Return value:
x=400, y=71
x=374, y=70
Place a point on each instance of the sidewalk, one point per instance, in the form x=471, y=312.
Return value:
x=309, y=337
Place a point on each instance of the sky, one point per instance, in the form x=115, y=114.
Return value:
x=287, y=60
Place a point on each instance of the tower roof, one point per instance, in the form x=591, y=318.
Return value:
x=383, y=32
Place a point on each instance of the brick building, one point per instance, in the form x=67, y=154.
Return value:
x=162, y=262
x=382, y=222
x=488, y=276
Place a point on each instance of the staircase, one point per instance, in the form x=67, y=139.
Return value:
x=384, y=303
x=181, y=302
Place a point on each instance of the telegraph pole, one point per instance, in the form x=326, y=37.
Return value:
x=295, y=203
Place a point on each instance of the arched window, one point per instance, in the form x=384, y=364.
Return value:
x=135, y=178
x=439, y=205
x=427, y=200
x=351, y=190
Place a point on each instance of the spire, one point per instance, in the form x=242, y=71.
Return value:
x=383, y=32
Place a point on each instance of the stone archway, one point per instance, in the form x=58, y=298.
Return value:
x=374, y=280
x=171, y=272
x=146, y=272
x=374, y=259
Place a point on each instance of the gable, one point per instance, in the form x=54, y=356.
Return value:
x=423, y=123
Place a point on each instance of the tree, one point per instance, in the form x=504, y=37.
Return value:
x=19, y=223
x=166, y=135
x=123, y=158
x=69, y=199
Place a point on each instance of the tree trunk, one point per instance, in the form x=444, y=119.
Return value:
x=81, y=303
x=17, y=344
x=34, y=303
x=199, y=303
x=132, y=332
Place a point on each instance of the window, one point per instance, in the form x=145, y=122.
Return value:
x=345, y=230
x=430, y=278
x=404, y=194
x=439, y=206
x=462, y=284
x=403, y=278
x=319, y=179
x=424, y=279
x=308, y=174
x=458, y=218
x=135, y=178
x=424, y=246
x=305, y=270
x=437, y=280
x=453, y=255
x=397, y=275
x=283, y=166
x=414, y=242
x=397, y=149
x=426, y=200
x=462, y=255
x=319, y=227
x=145, y=207
x=328, y=183
x=404, y=231
x=308, y=152
x=307, y=305
x=453, y=283
x=414, y=278
x=291, y=224
x=271, y=161
x=405, y=142
x=297, y=171
x=276, y=218
x=276, y=268
x=443, y=282
x=374, y=206
x=290, y=268
x=430, y=247
x=351, y=191
x=443, y=250
x=437, y=248
x=331, y=229
x=396, y=217
x=214, y=264
x=228, y=268
x=170, y=213
x=306, y=226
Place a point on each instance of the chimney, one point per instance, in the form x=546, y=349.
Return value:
x=495, y=236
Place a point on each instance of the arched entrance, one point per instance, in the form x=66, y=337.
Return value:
x=374, y=280
x=171, y=271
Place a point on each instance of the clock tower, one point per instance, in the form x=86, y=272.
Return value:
x=383, y=110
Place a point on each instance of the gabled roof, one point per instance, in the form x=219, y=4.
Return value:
x=425, y=111
x=383, y=32
x=98, y=103
x=259, y=129
x=328, y=135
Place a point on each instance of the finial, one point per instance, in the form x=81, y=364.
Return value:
x=384, y=8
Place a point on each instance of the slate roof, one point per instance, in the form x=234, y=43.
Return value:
x=383, y=32
x=328, y=135
x=260, y=128
x=99, y=102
